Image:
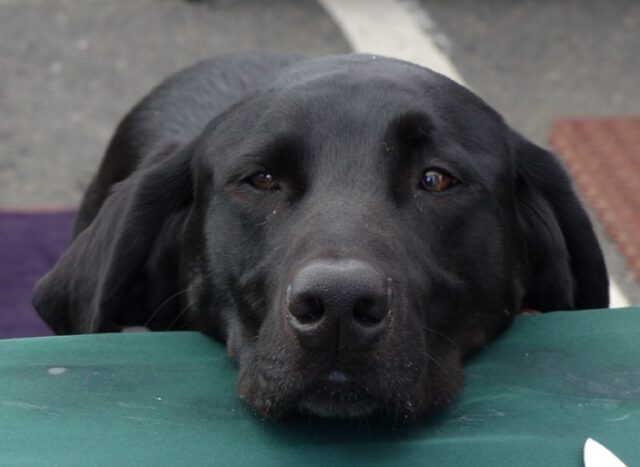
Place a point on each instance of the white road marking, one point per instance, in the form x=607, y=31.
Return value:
x=392, y=28
x=616, y=298
x=404, y=29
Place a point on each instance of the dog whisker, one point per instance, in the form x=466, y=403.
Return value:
x=178, y=316
x=439, y=334
x=155, y=312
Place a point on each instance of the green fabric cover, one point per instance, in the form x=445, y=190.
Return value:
x=532, y=398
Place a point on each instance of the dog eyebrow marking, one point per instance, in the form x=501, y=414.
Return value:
x=412, y=128
x=282, y=155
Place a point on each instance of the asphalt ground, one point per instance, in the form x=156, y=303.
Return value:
x=69, y=70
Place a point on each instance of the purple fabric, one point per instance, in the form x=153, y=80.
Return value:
x=30, y=244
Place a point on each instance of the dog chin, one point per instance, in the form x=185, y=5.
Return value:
x=336, y=408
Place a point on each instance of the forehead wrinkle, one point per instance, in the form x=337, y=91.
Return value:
x=348, y=162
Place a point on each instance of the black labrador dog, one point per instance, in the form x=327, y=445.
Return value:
x=351, y=226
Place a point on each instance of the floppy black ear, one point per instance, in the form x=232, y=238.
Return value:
x=85, y=290
x=567, y=269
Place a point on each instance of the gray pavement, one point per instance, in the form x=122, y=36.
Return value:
x=537, y=60
x=70, y=69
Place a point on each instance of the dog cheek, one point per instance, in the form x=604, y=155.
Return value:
x=267, y=380
x=440, y=384
x=246, y=387
x=450, y=381
x=482, y=327
x=234, y=342
x=440, y=380
x=243, y=352
x=251, y=386
x=471, y=339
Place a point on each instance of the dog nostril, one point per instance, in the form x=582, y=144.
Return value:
x=367, y=313
x=308, y=310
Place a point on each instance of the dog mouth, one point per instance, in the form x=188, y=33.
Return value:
x=328, y=394
x=403, y=391
x=337, y=396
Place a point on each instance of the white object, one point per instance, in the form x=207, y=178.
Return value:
x=395, y=28
x=596, y=455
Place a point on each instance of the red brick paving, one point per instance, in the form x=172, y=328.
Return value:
x=603, y=156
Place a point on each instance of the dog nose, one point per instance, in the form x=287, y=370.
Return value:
x=348, y=301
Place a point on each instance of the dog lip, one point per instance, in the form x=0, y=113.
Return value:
x=337, y=400
x=337, y=409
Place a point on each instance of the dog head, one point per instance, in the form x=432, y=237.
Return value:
x=351, y=229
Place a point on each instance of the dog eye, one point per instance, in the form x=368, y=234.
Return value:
x=436, y=181
x=262, y=181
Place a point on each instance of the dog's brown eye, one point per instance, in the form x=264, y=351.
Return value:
x=263, y=181
x=436, y=180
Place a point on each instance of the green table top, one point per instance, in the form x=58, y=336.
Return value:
x=531, y=398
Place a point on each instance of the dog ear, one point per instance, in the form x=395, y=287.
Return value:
x=86, y=288
x=567, y=269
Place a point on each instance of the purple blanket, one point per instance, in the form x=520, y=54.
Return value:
x=30, y=244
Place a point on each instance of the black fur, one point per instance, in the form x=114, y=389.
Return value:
x=171, y=235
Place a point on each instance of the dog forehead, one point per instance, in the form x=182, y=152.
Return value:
x=371, y=90
x=352, y=68
x=348, y=80
x=355, y=104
